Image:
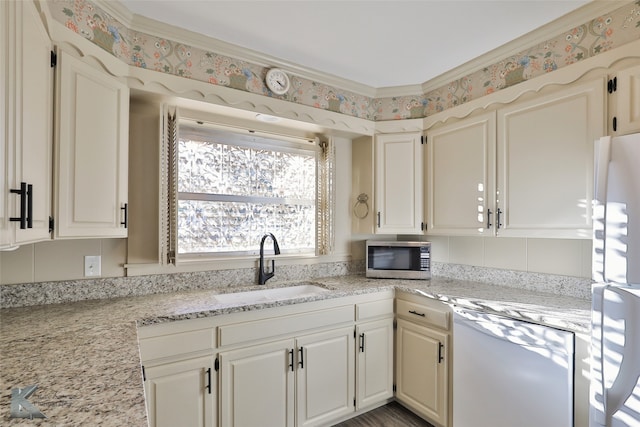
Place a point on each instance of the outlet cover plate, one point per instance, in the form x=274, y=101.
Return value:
x=92, y=265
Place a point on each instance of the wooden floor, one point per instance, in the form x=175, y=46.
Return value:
x=390, y=415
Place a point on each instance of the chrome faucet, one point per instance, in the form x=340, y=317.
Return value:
x=263, y=276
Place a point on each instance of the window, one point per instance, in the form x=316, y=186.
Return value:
x=228, y=187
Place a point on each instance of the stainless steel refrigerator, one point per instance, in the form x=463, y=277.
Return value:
x=615, y=351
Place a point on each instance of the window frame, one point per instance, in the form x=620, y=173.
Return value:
x=325, y=188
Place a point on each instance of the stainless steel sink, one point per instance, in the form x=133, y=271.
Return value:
x=272, y=294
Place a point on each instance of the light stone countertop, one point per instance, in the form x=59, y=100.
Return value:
x=84, y=355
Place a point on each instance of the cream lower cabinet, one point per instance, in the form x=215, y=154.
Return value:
x=423, y=360
x=374, y=362
x=182, y=393
x=398, y=183
x=91, y=152
x=304, y=381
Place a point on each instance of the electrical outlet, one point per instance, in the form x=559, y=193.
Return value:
x=92, y=265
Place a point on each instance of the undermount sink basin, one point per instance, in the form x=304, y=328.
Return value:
x=271, y=294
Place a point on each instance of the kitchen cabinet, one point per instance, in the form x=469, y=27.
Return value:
x=460, y=176
x=545, y=163
x=27, y=112
x=182, y=393
x=91, y=151
x=524, y=170
x=624, y=101
x=308, y=380
x=374, y=362
x=398, y=183
x=423, y=359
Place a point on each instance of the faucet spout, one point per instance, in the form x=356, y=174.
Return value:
x=263, y=276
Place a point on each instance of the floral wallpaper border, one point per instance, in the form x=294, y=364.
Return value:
x=142, y=50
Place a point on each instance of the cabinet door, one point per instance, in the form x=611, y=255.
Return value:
x=626, y=102
x=374, y=362
x=257, y=385
x=422, y=374
x=181, y=393
x=91, y=152
x=27, y=123
x=460, y=177
x=545, y=163
x=399, y=183
x=325, y=377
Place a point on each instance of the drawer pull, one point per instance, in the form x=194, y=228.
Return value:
x=209, y=380
x=362, y=343
x=301, y=362
x=291, y=359
x=440, y=356
x=416, y=313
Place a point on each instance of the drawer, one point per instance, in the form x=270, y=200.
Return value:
x=176, y=344
x=370, y=310
x=425, y=314
x=283, y=325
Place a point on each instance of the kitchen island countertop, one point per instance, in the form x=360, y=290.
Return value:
x=85, y=360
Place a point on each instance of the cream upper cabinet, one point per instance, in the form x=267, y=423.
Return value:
x=27, y=111
x=460, y=177
x=624, y=102
x=398, y=183
x=545, y=163
x=182, y=393
x=91, y=152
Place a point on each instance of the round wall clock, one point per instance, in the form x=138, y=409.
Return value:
x=277, y=81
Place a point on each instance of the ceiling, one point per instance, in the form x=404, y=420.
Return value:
x=383, y=43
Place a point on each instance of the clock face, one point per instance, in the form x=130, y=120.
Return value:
x=277, y=81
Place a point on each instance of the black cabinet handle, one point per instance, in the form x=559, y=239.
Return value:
x=498, y=220
x=22, y=192
x=440, y=356
x=30, y=206
x=378, y=219
x=209, y=380
x=301, y=362
x=489, y=213
x=416, y=313
x=291, y=359
x=125, y=208
x=362, y=343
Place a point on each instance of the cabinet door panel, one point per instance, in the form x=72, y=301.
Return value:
x=422, y=377
x=28, y=109
x=257, y=386
x=399, y=183
x=627, y=108
x=374, y=362
x=545, y=163
x=177, y=393
x=460, y=176
x=92, y=152
x=325, y=376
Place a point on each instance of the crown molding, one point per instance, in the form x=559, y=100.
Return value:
x=552, y=29
x=152, y=27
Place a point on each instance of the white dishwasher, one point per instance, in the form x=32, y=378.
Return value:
x=510, y=373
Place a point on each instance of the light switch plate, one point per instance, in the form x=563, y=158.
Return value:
x=92, y=265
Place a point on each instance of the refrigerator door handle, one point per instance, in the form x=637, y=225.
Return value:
x=619, y=389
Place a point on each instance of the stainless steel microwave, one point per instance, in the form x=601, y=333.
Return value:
x=398, y=260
